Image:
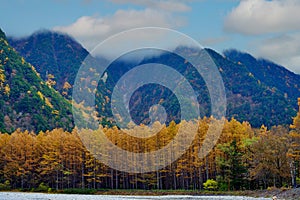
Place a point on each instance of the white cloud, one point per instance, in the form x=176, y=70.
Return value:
x=91, y=30
x=283, y=49
x=277, y=21
x=252, y=17
x=166, y=5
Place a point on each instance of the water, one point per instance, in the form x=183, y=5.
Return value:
x=41, y=196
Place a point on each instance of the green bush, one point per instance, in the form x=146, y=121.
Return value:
x=222, y=184
x=271, y=188
x=210, y=184
x=298, y=180
x=42, y=188
x=5, y=185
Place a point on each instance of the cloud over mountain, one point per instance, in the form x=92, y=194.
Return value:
x=276, y=22
x=283, y=49
x=91, y=30
x=166, y=5
x=253, y=17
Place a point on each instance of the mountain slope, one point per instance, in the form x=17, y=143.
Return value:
x=54, y=54
x=252, y=95
x=269, y=73
x=251, y=99
x=26, y=101
x=248, y=99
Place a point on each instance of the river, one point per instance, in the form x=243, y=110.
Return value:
x=42, y=196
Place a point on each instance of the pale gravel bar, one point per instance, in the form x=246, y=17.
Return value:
x=43, y=196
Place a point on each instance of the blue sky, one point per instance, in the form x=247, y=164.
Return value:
x=265, y=28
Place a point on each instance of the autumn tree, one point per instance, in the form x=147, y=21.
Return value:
x=50, y=80
x=294, y=151
x=269, y=161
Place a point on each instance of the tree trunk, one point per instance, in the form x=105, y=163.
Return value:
x=293, y=174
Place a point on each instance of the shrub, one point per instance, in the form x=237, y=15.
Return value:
x=222, y=184
x=210, y=184
x=5, y=185
x=42, y=188
x=271, y=188
x=298, y=180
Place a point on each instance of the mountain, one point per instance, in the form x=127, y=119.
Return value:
x=251, y=99
x=54, y=54
x=248, y=99
x=268, y=73
x=26, y=101
x=255, y=93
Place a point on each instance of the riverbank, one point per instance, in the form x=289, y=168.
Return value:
x=284, y=194
x=30, y=196
x=287, y=194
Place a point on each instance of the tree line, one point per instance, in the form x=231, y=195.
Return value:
x=243, y=158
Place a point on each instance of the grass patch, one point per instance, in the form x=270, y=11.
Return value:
x=165, y=192
x=79, y=191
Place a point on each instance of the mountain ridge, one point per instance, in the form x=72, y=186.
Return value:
x=47, y=51
x=267, y=71
x=26, y=101
x=250, y=97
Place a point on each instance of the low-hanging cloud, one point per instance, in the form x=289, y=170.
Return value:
x=253, y=17
x=283, y=49
x=166, y=5
x=91, y=30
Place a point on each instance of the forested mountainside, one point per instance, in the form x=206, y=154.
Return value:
x=252, y=93
x=54, y=55
x=248, y=98
x=26, y=101
x=51, y=158
x=269, y=73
